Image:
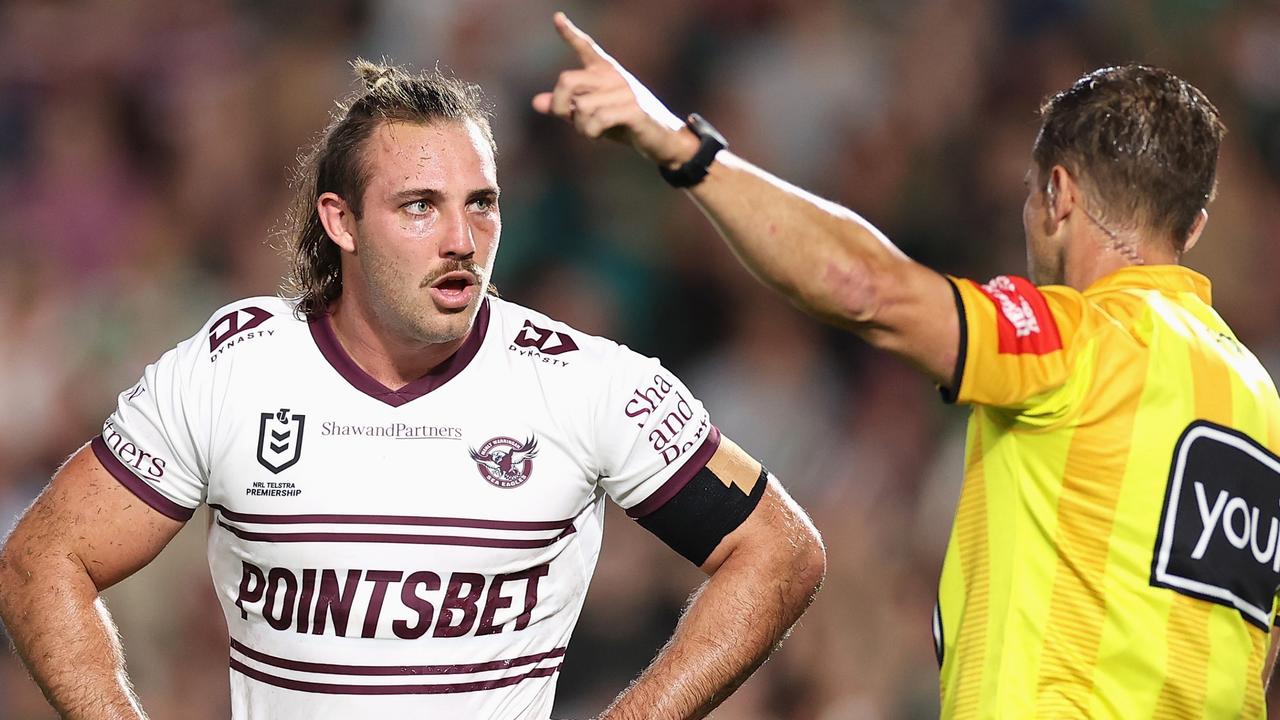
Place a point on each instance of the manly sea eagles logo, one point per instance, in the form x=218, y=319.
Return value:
x=505, y=461
x=280, y=440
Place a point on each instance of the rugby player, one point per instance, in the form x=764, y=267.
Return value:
x=406, y=474
x=1115, y=549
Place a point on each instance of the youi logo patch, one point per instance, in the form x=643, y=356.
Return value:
x=1219, y=537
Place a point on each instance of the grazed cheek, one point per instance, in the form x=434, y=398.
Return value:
x=416, y=226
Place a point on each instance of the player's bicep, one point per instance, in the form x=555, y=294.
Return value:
x=733, y=504
x=774, y=525
x=87, y=516
x=719, y=496
x=916, y=318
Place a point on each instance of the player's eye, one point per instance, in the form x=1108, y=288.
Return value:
x=418, y=207
x=484, y=204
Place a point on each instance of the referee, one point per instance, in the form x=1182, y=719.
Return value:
x=1115, y=551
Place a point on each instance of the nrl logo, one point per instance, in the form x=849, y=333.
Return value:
x=280, y=440
x=506, y=462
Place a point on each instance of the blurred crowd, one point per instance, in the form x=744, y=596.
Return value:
x=146, y=148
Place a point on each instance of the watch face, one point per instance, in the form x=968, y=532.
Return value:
x=705, y=131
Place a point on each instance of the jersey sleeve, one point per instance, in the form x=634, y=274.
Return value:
x=652, y=434
x=150, y=443
x=1016, y=341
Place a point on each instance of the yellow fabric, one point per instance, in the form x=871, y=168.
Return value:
x=1046, y=605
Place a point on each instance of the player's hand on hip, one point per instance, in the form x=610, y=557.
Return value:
x=602, y=99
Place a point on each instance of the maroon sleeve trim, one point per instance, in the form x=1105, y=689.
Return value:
x=676, y=483
x=137, y=485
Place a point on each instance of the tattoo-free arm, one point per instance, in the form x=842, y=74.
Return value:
x=83, y=534
x=763, y=576
x=824, y=257
x=832, y=263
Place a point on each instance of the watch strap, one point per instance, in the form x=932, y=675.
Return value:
x=710, y=142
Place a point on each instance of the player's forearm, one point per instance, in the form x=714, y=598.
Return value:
x=735, y=621
x=63, y=633
x=824, y=257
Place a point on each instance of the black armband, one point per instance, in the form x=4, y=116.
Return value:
x=702, y=513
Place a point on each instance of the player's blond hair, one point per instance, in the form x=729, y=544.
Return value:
x=335, y=163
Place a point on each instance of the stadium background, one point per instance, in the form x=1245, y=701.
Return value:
x=144, y=151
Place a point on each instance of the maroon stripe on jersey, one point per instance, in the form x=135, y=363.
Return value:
x=424, y=689
x=385, y=670
x=676, y=483
x=137, y=485
x=392, y=520
x=332, y=350
x=396, y=538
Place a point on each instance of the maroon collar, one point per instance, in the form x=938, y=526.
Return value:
x=332, y=350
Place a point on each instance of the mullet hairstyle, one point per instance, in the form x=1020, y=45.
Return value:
x=1143, y=143
x=336, y=164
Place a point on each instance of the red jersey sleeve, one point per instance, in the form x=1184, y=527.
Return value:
x=1016, y=340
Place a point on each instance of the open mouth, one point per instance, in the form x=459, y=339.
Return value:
x=453, y=285
x=454, y=290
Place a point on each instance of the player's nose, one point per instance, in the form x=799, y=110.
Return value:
x=457, y=239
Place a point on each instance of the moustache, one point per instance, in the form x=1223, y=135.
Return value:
x=449, y=266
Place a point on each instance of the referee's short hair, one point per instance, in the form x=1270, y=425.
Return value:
x=1143, y=143
x=335, y=163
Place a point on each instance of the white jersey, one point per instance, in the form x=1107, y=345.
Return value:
x=421, y=552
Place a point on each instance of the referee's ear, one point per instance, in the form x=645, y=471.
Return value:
x=1196, y=228
x=337, y=219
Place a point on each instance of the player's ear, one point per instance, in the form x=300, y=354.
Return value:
x=338, y=220
x=1196, y=228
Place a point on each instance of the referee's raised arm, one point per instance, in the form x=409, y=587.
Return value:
x=1107, y=393
x=827, y=259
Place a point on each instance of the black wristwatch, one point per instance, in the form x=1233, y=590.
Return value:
x=692, y=172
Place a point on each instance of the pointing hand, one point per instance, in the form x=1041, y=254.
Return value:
x=602, y=99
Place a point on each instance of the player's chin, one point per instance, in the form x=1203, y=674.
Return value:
x=449, y=323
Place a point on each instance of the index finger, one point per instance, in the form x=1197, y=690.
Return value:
x=588, y=51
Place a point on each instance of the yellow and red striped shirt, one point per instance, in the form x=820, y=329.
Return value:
x=1114, y=552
